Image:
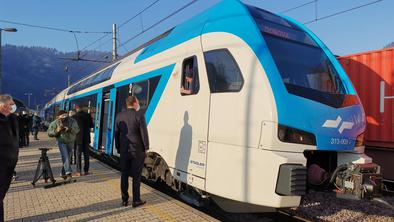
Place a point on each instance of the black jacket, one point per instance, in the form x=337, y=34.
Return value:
x=85, y=123
x=131, y=133
x=9, y=139
x=36, y=122
x=22, y=123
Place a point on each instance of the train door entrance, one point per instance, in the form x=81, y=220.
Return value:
x=104, y=112
x=66, y=105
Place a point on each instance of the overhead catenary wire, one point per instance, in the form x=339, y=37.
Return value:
x=147, y=29
x=159, y=22
x=297, y=7
x=118, y=28
x=52, y=28
x=138, y=14
x=108, y=40
x=143, y=30
x=342, y=12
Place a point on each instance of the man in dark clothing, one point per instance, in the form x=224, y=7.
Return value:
x=36, y=123
x=82, y=141
x=21, y=127
x=26, y=127
x=132, y=142
x=9, y=144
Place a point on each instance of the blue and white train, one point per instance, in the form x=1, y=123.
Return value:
x=243, y=107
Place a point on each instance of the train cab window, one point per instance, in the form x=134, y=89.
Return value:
x=190, y=82
x=223, y=72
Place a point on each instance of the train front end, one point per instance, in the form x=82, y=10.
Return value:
x=318, y=110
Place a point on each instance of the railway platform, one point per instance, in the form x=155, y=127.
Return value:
x=95, y=197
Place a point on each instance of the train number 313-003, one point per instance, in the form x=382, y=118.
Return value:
x=339, y=141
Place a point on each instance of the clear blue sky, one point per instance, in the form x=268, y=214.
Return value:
x=364, y=29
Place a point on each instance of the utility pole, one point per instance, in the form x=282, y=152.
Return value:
x=28, y=98
x=114, y=45
x=68, y=76
x=1, y=68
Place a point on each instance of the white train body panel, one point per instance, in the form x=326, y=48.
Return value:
x=225, y=144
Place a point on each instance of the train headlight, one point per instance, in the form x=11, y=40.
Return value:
x=360, y=141
x=291, y=135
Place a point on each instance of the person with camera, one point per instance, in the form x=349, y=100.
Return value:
x=9, y=146
x=64, y=129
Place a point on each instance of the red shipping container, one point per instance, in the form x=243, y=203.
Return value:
x=372, y=74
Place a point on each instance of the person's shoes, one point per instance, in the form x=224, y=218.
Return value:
x=138, y=203
x=77, y=174
x=125, y=203
x=14, y=177
x=69, y=178
x=63, y=176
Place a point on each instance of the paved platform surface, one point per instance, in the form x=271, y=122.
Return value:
x=95, y=197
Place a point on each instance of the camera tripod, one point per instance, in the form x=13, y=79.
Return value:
x=44, y=167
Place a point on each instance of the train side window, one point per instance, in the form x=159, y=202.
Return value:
x=223, y=72
x=190, y=82
x=87, y=104
x=141, y=91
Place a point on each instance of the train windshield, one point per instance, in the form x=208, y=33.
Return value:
x=303, y=65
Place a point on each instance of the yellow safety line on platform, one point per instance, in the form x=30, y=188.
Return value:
x=114, y=183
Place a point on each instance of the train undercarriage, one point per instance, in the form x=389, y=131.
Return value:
x=323, y=173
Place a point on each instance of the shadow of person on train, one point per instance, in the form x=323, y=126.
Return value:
x=185, y=145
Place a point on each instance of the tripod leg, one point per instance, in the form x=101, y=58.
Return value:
x=44, y=170
x=50, y=171
x=37, y=174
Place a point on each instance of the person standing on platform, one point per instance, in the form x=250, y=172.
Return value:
x=9, y=146
x=73, y=155
x=85, y=123
x=27, y=129
x=36, y=125
x=132, y=142
x=21, y=126
x=64, y=129
x=31, y=115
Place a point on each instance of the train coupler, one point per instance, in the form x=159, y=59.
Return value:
x=357, y=181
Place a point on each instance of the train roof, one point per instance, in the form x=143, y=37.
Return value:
x=132, y=64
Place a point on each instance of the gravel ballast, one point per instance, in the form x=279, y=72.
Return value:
x=321, y=206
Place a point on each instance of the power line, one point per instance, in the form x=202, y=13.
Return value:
x=143, y=31
x=121, y=25
x=139, y=13
x=107, y=34
x=297, y=7
x=342, y=12
x=159, y=22
x=51, y=28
